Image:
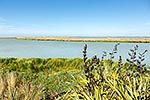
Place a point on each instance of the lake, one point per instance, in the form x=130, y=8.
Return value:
x=58, y=49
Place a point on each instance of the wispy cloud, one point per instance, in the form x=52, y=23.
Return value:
x=7, y=28
x=14, y=30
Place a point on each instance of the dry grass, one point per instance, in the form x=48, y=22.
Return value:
x=13, y=88
x=73, y=39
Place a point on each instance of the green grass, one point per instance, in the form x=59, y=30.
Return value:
x=38, y=64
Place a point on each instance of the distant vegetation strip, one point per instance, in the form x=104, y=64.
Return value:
x=81, y=39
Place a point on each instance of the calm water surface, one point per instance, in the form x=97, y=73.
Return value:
x=57, y=49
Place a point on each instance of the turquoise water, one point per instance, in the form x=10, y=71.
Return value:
x=57, y=49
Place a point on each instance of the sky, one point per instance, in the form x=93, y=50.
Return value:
x=75, y=17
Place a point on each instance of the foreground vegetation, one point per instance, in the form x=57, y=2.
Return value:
x=76, y=79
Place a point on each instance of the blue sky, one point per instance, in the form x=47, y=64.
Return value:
x=75, y=17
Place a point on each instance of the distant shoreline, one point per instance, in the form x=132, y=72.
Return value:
x=82, y=39
x=7, y=37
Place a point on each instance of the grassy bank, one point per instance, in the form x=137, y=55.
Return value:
x=39, y=64
x=73, y=39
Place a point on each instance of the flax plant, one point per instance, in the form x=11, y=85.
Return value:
x=103, y=79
